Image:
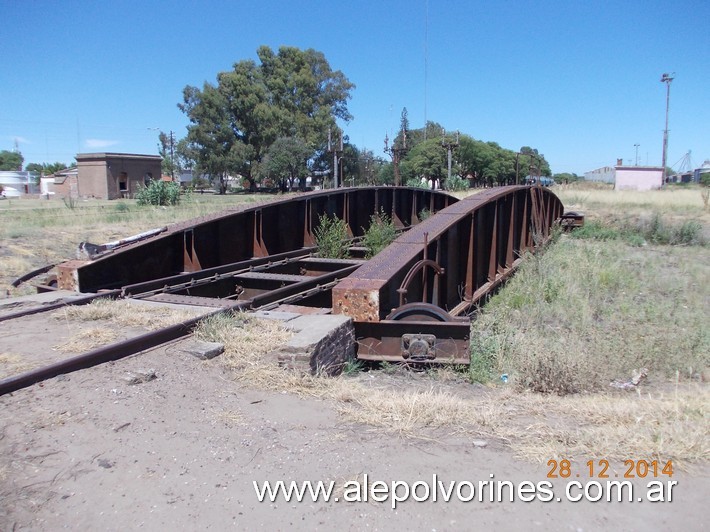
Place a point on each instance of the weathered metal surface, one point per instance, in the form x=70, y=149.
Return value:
x=100, y=355
x=240, y=235
x=439, y=269
x=572, y=220
x=447, y=342
x=409, y=303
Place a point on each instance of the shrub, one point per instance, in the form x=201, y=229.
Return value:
x=380, y=234
x=456, y=184
x=417, y=183
x=331, y=237
x=159, y=193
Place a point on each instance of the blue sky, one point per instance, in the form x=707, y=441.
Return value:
x=579, y=81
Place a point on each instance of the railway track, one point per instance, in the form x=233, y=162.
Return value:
x=409, y=303
x=257, y=284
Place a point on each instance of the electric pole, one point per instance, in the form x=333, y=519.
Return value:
x=637, y=153
x=332, y=148
x=397, y=152
x=667, y=79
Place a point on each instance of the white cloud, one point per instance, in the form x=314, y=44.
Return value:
x=100, y=143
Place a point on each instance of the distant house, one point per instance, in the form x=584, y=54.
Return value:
x=17, y=184
x=115, y=175
x=64, y=183
x=628, y=177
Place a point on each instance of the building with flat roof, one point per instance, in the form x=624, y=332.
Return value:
x=115, y=175
x=628, y=177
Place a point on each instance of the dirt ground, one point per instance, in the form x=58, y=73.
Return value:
x=89, y=451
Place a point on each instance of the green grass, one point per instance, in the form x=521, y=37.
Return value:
x=638, y=231
x=589, y=311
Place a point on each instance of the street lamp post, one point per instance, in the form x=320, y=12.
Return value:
x=637, y=153
x=666, y=78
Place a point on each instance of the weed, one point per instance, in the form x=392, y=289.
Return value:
x=585, y=313
x=353, y=367
x=380, y=234
x=388, y=368
x=456, y=184
x=70, y=202
x=159, y=193
x=331, y=237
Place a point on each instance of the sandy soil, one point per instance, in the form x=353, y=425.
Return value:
x=89, y=451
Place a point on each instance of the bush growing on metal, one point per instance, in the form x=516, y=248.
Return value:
x=159, y=193
x=331, y=237
x=380, y=234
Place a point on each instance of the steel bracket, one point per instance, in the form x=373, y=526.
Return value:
x=418, y=347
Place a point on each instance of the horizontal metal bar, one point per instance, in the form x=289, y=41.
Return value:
x=183, y=280
x=79, y=300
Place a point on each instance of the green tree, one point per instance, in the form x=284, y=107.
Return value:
x=426, y=160
x=537, y=160
x=286, y=160
x=370, y=168
x=11, y=160
x=292, y=93
x=566, y=177
x=41, y=169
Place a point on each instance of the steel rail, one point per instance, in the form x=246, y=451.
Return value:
x=152, y=339
x=107, y=353
x=67, y=302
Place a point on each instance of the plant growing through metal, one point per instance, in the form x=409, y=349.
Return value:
x=331, y=237
x=380, y=234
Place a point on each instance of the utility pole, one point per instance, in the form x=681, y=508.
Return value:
x=637, y=153
x=172, y=156
x=397, y=152
x=667, y=79
x=336, y=156
x=449, y=146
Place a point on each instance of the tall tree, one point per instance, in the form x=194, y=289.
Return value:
x=293, y=93
x=11, y=160
x=287, y=160
x=427, y=160
x=45, y=168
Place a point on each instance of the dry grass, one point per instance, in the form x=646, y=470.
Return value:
x=230, y=418
x=45, y=232
x=671, y=424
x=614, y=425
x=13, y=364
x=635, y=306
x=125, y=313
x=411, y=413
x=602, y=202
x=88, y=339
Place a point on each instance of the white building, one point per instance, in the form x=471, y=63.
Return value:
x=628, y=177
x=16, y=184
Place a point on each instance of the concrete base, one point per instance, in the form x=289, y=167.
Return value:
x=322, y=345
